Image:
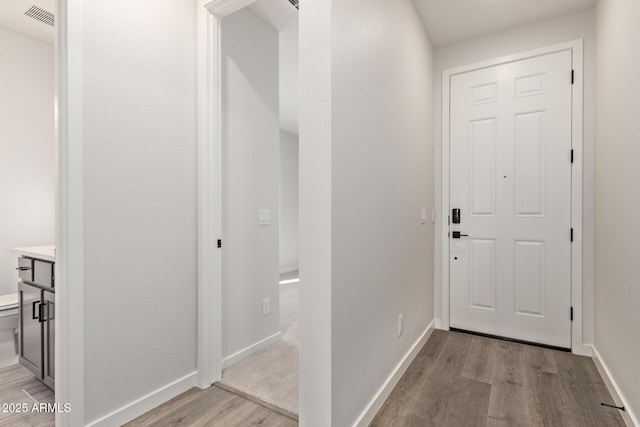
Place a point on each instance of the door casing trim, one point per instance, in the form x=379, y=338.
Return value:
x=69, y=268
x=209, y=319
x=577, y=49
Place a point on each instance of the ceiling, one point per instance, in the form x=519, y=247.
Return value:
x=450, y=21
x=12, y=16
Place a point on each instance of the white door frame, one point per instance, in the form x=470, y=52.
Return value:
x=576, y=47
x=209, y=351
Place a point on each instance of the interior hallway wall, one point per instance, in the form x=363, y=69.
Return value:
x=315, y=213
x=538, y=34
x=140, y=220
x=617, y=218
x=366, y=171
x=250, y=167
x=288, y=201
x=289, y=84
x=27, y=159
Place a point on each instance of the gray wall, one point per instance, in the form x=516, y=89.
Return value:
x=250, y=161
x=289, y=158
x=140, y=243
x=315, y=213
x=27, y=180
x=366, y=171
x=617, y=226
x=382, y=175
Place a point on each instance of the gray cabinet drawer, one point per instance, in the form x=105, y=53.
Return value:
x=25, y=269
x=43, y=273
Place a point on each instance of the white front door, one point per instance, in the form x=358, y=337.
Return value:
x=510, y=176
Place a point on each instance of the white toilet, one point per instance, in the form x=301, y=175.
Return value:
x=8, y=328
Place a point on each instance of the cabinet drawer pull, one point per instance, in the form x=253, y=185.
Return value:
x=40, y=313
x=23, y=268
x=33, y=311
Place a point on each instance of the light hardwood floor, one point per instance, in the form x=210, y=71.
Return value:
x=15, y=383
x=213, y=407
x=464, y=380
x=456, y=380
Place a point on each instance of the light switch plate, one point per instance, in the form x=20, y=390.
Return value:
x=264, y=216
x=423, y=216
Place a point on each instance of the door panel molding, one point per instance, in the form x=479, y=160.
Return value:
x=529, y=85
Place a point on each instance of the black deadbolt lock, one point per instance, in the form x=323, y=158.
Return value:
x=455, y=216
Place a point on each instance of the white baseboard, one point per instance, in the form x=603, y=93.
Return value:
x=289, y=269
x=146, y=403
x=12, y=361
x=437, y=324
x=618, y=398
x=376, y=403
x=245, y=352
x=582, y=350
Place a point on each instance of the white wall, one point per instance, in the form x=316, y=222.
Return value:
x=289, y=157
x=382, y=175
x=140, y=243
x=617, y=216
x=538, y=34
x=27, y=179
x=379, y=255
x=315, y=213
x=289, y=85
x=251, y=162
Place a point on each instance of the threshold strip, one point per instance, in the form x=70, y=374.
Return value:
x=497, y=337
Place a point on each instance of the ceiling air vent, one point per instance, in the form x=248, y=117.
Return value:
x=41, y=15
x=295, y=3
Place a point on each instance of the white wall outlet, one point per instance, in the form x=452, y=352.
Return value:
x=400, y=324
x=264, y=216
x=266, y=306
x=423, y=216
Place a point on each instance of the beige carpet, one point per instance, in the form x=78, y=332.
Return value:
x=271, y=375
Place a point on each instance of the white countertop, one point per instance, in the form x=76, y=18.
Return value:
x=47, y=253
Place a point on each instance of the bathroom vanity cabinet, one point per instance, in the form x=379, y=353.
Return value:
x=36, y=298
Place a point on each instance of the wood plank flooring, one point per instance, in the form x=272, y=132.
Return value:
x=213, y=407
x=464, y=380
x=455, y=380
x=15, y=380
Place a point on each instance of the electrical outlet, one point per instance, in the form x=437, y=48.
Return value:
x=266, y=306
x=400, y=324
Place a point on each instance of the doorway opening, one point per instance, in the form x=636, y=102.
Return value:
x=501, y=181
x=28, y=227
x=259, y=164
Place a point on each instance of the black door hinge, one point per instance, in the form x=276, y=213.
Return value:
x=571, y=314
x=572, y=155
x=572, y=76
x=219, y=243
x=572, y=234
